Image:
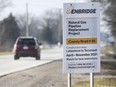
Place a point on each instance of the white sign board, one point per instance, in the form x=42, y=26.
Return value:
x=81, y=37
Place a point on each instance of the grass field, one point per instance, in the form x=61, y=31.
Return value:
x=97, y=83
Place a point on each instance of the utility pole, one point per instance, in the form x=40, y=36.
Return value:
x=27, y=28
x=59, y=27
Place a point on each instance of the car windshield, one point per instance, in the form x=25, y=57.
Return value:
x=27, y=41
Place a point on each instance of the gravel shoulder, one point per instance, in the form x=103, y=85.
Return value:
x=48, y=75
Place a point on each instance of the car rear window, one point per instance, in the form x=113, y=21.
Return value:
x=26, y=41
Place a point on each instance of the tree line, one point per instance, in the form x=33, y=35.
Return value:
x=47, y=29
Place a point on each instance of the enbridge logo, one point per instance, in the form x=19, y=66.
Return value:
x=72, y=10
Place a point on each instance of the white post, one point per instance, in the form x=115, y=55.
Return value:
x=69, y=80
x=91, y=80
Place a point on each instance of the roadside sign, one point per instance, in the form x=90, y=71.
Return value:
x=81, y=37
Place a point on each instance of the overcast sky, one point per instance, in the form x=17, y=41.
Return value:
x=37, y=7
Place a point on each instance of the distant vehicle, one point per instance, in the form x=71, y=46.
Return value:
x=26, y=47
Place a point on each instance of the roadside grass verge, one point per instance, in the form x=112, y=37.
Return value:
x=109, y=82
x=108, y=65
x=109, y=50
x=4, y=53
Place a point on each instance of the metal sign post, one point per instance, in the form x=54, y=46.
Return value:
x=91, y=80
x=69, y=80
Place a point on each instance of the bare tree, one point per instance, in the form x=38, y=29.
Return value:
x=110, y=14
x=47, y=28
x=33, y=25
x=52, y=26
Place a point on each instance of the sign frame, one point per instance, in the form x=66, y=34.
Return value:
x=81, y=37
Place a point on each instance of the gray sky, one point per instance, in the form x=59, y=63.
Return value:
x=36, y=7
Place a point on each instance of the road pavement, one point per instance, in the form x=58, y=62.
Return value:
x=9, y=65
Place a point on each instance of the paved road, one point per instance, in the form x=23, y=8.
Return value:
x=9, y=65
